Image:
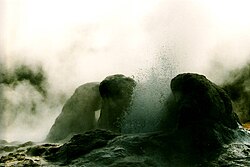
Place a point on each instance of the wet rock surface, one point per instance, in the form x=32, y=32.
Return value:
x=81, y=144
x=105, y=148
x=18, y=156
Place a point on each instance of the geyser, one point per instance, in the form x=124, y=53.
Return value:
x=206, y=134
x=95, y=39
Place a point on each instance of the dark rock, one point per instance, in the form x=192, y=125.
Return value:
x=133, y=163
x=42, y=150
x=27, y=154
x=78, y=114
x=81, y=144
x=28, y=162
x=36, y=151
x=9, y=148
x=200, y=100
x=202, y=112
x=20, y=157
x=116, y=92
x=6, y=158
x=149, y=149
x=14, y=159
x=29, y=143
x=234, y=154
x=3, y=142
x=104, y=148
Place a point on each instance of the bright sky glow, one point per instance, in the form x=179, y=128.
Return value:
x=121, y=33
x=79, y=41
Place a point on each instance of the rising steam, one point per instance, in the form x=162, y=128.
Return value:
x=80, y=41
x=238, y=88
x=23, y=73
x=27, y=108
x=150, y=94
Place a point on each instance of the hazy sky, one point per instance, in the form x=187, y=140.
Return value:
x=79, y=41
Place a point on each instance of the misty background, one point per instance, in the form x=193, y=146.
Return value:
x=71, y=42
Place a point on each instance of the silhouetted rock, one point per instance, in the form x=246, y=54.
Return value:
x=82, y=144
x=42, y=150
x=116, y=92
x=202, y=111
x=113, y=97
x=78, y=114
x=200, y=100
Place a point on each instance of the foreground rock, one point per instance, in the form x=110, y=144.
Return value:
x=81, y=144
x=78, y=114
x=104, y=148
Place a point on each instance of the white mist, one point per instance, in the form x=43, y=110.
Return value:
x=78, y=41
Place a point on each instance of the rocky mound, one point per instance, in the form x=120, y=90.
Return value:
x=201, y=101
x=112, y=97
x=201, y=110
x=116, y=92
x=78, y=113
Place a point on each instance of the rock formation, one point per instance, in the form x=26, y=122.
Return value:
x=112, y=97
x=81, y=144
x=78, y=114
x=116, y=92
x=200, y=100
x=206, y=134
x=202, y=110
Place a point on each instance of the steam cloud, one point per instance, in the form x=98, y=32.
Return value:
x=153, y=40
x=150, y=94
x=37, y=78
x=27, y=108
x=238, y=88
